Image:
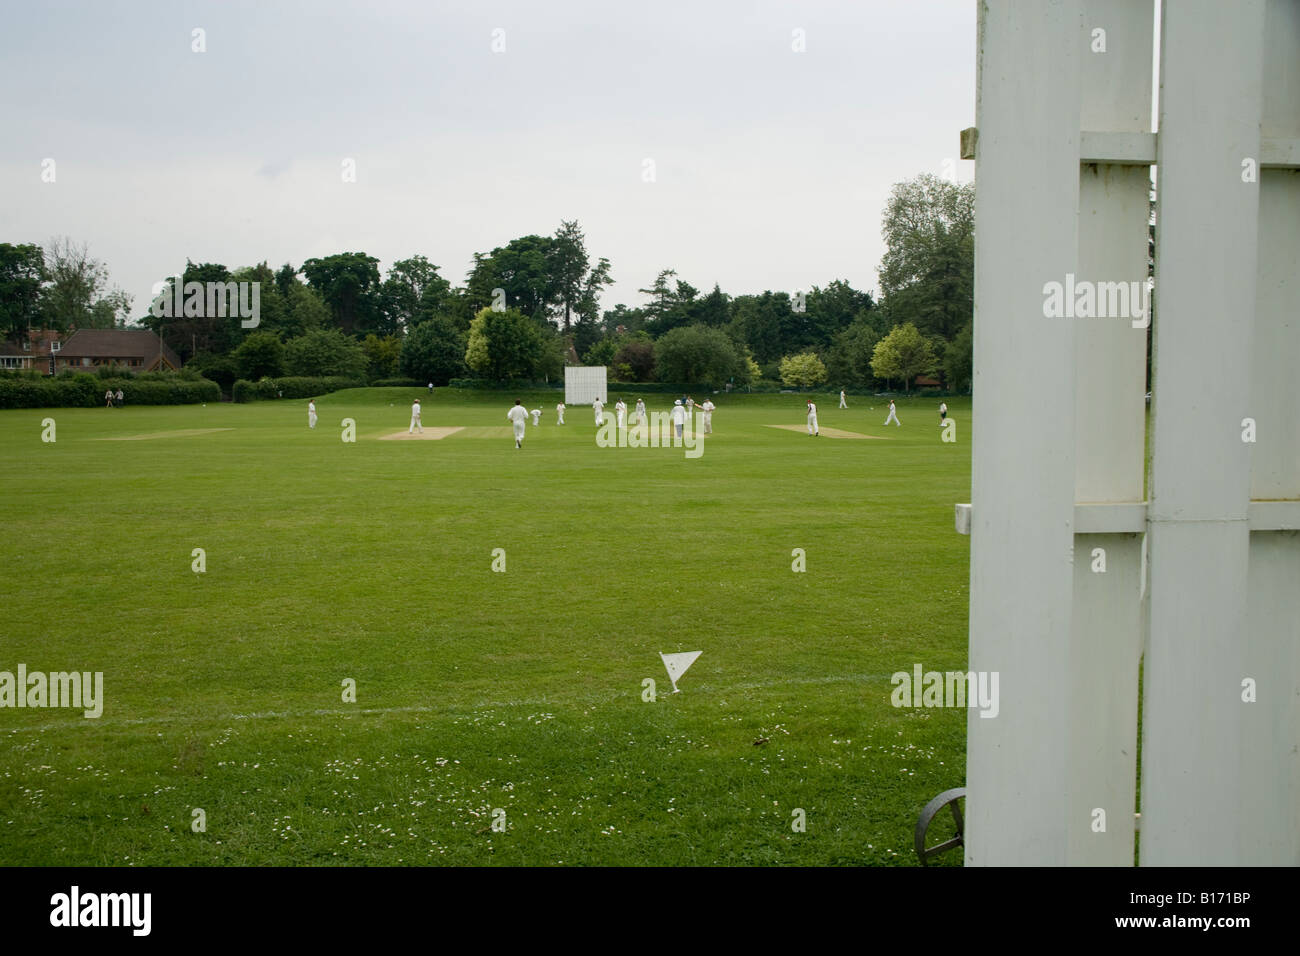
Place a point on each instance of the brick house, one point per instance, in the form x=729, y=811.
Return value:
x=32, y=353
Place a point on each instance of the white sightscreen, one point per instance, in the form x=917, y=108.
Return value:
x=583, y=384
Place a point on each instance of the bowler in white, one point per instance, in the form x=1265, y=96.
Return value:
x=559, y=414
x=812, y=419
x=537, y=416
x=415, y=418
x=519, y=419
x=893, y=415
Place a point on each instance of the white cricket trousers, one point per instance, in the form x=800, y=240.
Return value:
x=893, y=417
x=519, y=431
x=812, y=424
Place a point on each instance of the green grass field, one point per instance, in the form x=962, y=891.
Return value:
x=478, y=691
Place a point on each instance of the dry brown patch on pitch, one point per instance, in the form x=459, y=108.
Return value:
x=429, y=434
x=830, y=432
x=181, y=433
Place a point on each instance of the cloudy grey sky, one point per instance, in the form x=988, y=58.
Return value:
x=771, y=166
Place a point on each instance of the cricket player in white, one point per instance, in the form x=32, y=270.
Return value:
x=599, y=408
x=559, y=414
x=537, y=416
x=640, y=411
x=679, y=416
x=812, y=419
x=519, y=419
x=893, y=415
x=620, y=413
x=943, y=411
x=843, y=403
x=311, y=414
x=415, y=418
x=707, y=409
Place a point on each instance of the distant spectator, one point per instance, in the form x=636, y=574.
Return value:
x=108, y=399
x=119, y=398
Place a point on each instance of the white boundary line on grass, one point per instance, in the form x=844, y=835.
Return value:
x=427, y=708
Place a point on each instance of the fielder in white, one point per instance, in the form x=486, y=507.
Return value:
x=812, y=419
x=519, y=419
x=559, y=414
x=943, y=411
x=415, y=418
x=537, y=416
x=707, y=410
x=843, y=403
x=599, y=408
x=311, y=414
x=640, y=411
x=893, y=415
x=620, y=413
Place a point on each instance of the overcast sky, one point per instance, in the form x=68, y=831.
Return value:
x=771, y=166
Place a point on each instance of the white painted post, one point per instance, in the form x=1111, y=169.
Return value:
x=1110, y=429
x=1062, y=162
x=1270, y=763
x=1022, y=477
x=1192, y=734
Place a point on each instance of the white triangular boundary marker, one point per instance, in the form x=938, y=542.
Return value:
x=677, y=664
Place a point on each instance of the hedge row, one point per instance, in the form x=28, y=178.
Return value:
x=398, y=383
x=87, y=391
x=292, y=387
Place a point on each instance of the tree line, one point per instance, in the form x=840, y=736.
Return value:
x=533, y=305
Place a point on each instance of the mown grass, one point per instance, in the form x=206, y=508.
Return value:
x=478, y=691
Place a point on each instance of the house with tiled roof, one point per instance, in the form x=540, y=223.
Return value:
x=32, y=352
x=137, y=350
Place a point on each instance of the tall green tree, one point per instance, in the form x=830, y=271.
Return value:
x=696, y=354
x=382, y=355
x=433, y=351
x=804, y=370
x=599, y=277
x=22, y=275
x=567, y=261
x=761, y=323
x=325, y=352
x=521, y=269
x=927, y=275
x=412, y=291
x=848, y=360
x=638, y=355
x=198, y=331
x=503, y=346
x=833, y=309
x=958, y=359
x=349, y=283
x=259, y=355
x=78, y=282
x=904, y=353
